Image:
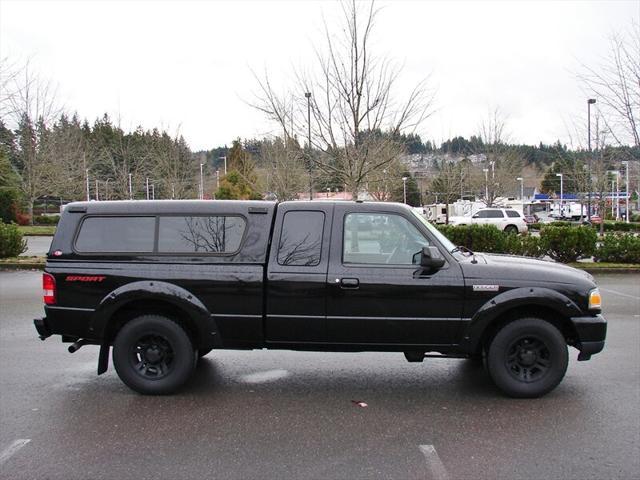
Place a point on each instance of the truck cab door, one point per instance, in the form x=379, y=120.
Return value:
x=378, y=293
x=297, y=274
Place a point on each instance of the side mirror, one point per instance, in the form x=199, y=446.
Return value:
x=431, y=258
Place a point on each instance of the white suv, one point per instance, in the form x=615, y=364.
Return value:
x=505, y=219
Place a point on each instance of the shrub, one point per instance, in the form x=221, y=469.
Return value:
x=619, y=248
x=621, y=227
x=11, y=242
x=527, y=246
x=479, y=238
x=568, y=244
x=46, y=220
x=9, y=198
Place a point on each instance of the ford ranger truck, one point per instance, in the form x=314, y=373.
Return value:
x=157, y=284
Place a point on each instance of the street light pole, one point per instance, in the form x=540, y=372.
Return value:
x=521, y=180
x=404, y=188
x=225, y=164
x=97, y=190
x=590, y=102
x=202, y=180
x=130, y=189
x=486, y=186
x=561, y=194
x=308, y=96
x=147, y=188
x=626, y=190
x=87, y=173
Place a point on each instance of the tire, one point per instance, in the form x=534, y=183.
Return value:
x=527, y=358
x=153, y=355
x=203, y=352
x=511, y=229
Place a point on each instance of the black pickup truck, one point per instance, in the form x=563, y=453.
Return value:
x=165, y=282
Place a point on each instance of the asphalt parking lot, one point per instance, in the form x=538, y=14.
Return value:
x=280, y=414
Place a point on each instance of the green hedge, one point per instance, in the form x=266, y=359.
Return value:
x=608, y=226
x=619, y=248
x=46, y=220
x=568, y=244
x=9, y=199
x=479, y=238
x=11, y=242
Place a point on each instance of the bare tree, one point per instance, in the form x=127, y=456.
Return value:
x=355, y=113
x=448, y=182
x=285, y=174
x=503, y=163
x=615, y=83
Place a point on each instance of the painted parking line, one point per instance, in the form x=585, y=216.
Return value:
x=435, y=467
x=635, y=297
x=12, y=449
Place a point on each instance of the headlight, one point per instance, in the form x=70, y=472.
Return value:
x=595, y=300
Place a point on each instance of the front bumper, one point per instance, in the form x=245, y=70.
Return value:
x=592, y=332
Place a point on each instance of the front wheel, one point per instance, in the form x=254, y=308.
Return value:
x=153, y=355
x=527, y=358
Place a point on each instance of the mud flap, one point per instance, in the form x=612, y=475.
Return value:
x=103, y=358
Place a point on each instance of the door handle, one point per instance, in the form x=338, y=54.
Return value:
x=349, y=283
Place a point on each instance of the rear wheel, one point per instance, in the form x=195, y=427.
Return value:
x=511, y=229
x=153, y=355
x=527, y=358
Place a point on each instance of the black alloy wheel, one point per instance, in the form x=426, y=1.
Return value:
x=153, y=355
x=527, y=358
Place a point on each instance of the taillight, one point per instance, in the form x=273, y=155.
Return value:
x=49, y=288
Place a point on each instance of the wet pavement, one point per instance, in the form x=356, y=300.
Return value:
x=281, y=414
x=37, y=245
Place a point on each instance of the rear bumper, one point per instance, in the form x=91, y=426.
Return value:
x=42, y=327
x=592, y=332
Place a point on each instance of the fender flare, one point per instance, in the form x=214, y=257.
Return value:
x=503, y=302
x=201, y=319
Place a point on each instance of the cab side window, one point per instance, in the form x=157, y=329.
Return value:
x=513, y=214
x=301, y=239
x=375, y=238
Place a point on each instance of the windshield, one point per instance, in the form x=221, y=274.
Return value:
x=446, y=243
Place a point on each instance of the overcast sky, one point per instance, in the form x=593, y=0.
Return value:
x=186, y=66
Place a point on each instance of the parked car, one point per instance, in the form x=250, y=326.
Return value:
x=506, y=219
x=161, y=283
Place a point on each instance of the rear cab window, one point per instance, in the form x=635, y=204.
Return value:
x=116, y=235
x=204, y=234
x=301, y=238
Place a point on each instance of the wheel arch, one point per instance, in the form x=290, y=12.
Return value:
x=543, y=303
x=160, y=298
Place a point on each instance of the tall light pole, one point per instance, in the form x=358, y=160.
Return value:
x=147, y=188
x=87, y=174
x=486, y=186
x=308, y=96
x=202, y=179
x=590, y=102
x=626, y=190
x=97, y=190
x=561, y=194
x=130, y=189
x=521, y=180
x=404, y=188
